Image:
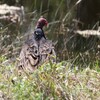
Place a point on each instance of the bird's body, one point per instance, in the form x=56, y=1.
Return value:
x=37, y=49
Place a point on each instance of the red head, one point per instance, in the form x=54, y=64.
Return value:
x=42, y=22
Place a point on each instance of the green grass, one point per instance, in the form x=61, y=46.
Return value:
x=50, y=82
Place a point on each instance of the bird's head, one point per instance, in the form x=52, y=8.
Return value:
x=42, y=22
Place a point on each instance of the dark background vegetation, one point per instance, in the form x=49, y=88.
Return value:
x=60, y=15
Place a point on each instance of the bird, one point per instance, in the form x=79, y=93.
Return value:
x=36, y=50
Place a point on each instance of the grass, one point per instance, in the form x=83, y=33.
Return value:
x=58, y=81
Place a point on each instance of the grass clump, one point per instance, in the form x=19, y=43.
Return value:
x=58, y=81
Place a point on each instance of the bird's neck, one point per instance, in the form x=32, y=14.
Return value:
x=39, y=25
